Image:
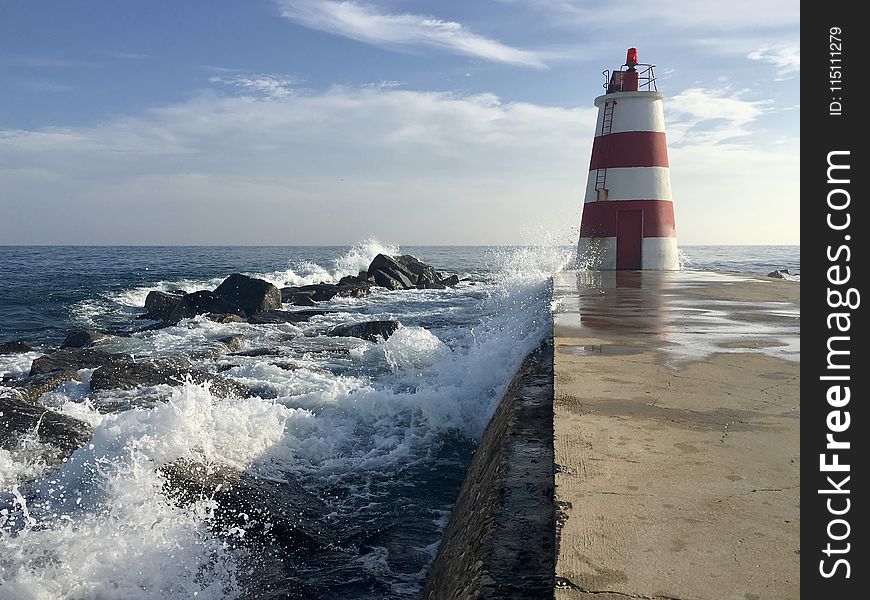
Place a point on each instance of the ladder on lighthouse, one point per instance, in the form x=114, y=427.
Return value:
x=606, y=128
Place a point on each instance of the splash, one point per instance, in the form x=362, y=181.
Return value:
x=103, y=527
x=352, y=262
x=336, y=419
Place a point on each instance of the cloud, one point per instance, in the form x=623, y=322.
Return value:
x=328, y=167
x=270, y=86
x=786, y=58
x=364, y=23
x=679, y=14
x=703, y=116
x=340, y=165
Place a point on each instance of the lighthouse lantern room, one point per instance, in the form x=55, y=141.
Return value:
x=628, y=212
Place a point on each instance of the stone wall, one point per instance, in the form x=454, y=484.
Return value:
x=499, y=542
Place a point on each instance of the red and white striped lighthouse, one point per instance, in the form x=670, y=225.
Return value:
x=628, y=213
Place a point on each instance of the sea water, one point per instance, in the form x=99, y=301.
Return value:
x=373, y=439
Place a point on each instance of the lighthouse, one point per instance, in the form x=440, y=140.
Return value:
x=628, y=212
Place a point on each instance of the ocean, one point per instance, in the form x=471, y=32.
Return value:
x=355, y=449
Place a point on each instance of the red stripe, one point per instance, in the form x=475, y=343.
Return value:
x=599, y=218
x=629, y=149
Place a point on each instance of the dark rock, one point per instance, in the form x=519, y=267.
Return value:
x=405, y=272
x=200, y=303
x=252, y=295
x=287, y=366
x=159, y=305
x=82, y=339
x=14, y=347
x=174, y=371
x=372, y=331
x=386, y=268
x=32, y=388
x=60, y=434
x=384, y=280
x=73, y=359
x=257, y=352
x=450, y=281
x=274, y=317
x=297, y=299
x=232, y=342
x=780, y=274
x=279, y=512
x=224, y=318
x=353, y=287
x=424, y=272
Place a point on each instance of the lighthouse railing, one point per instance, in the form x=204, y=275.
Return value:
x=646, y=79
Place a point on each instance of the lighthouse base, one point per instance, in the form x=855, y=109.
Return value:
x=600, y=254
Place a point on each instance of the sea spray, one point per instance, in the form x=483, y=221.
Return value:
x=379, y=434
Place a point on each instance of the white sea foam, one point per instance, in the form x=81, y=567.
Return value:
x=411, y=348
x=122, y=538
x=357, y=259
x=20, y=465
x=348, y=407
x=17, y=365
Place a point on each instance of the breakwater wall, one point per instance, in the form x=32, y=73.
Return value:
x=499, y=542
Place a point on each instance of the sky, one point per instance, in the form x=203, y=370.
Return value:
x=307, y=122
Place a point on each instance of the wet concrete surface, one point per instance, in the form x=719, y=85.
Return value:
x=676, y=435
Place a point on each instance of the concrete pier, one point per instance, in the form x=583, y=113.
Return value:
x=676, y=436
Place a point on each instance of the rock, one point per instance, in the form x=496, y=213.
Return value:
x=348, y=287
x=159, y=305
x=200, y=303
x=32, y=388
x=287, y=366
x=14, y=347
x=780, y=274
x=405, y=272
x=274, y=317
x=297, y=299
x=372, y=331
x=424, y=272
x=73, y=359
x=386, y=268
x=232, y=342
x=82, y=339
x=450, y=281
x=269, y=511
x=252, y=295
x=223, y=345
x=224, y=318
x=174, y=371
x=257, y=352
x=61, y=435
x=384, y=280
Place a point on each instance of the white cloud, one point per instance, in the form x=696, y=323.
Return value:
x=704, y=116
x=365, y=23
x=329, y=167
x=686, y=15
x=337, y=166
x=270, y=86
x=786, y=58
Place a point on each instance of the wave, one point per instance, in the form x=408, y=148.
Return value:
x=348, y=416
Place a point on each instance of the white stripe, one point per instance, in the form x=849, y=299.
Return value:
x=631, y=183
x=599, y=254
x=660, y=254
x=634, y=111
